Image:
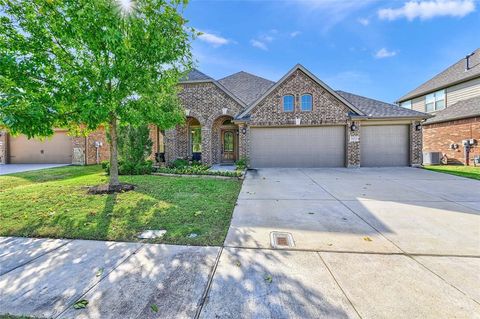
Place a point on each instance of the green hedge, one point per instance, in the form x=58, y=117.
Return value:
x=197, y=170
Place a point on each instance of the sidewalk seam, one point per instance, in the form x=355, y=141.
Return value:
x=209, y=284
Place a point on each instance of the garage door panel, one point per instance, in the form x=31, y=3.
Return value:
x=54, y=150
x=298, y=147
x=384, y=145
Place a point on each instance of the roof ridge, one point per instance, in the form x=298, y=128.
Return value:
x=251, y=74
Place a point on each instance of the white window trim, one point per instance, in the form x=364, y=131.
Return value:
x=436, y=100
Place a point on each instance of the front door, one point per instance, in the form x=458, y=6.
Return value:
x=228, y=146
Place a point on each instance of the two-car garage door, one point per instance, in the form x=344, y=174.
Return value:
x=297, y=146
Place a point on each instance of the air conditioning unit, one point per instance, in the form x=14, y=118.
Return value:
x=432, y=158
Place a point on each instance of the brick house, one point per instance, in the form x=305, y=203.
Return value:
x=298, y=121
x=453, y=97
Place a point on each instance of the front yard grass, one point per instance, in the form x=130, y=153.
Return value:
x=54, y=203
x=459, y=170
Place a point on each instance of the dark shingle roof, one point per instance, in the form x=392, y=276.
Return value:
x=460, y=110
x=378, y=109
x=247, y=87
x=452, y=75
x=195, y=75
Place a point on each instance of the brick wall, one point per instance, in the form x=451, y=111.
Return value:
x=416, y=155
x=326, y=108
x=439, y=136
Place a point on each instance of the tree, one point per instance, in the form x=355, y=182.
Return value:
x=81, y=64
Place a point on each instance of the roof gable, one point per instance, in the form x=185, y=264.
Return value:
x=454, y=74
x=310, y=75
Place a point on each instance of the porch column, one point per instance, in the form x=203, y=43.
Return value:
x=170, y=145
x=242, y=140
x=206, y=145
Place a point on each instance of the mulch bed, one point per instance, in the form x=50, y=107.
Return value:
x=107, y=189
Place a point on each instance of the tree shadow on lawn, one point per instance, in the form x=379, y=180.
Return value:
x=179, y=205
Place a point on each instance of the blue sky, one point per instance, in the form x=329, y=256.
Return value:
x=380, y=49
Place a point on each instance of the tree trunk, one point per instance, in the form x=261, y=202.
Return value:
x=113, y=152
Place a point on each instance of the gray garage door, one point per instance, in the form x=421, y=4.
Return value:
x=54, y=150
x=298, y=147
x=384, y=145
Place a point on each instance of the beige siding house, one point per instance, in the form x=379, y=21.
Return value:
x=453, y=97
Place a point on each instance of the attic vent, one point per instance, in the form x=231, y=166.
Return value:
x=281, y=240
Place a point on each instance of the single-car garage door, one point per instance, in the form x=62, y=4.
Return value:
x=297, y=147
x=384, y=145
x=53, y=150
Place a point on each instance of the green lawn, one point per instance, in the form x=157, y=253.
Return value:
x=54, y=203
x=465, y=171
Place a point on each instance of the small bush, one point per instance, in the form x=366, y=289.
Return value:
x=241, y=164
x=179, y=163
x=197, y=170
x=128, y=168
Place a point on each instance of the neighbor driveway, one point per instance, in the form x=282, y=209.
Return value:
x=18, y=168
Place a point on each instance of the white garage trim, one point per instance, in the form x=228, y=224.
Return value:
x=384, y=145
x=313, y=146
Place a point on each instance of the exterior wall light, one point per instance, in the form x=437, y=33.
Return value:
x=418, y=127
x=244, y=130
x=353, y=127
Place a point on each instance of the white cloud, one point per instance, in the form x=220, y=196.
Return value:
x=363, y=21
x=294, y=34
x=262, y=41
x=428, y=9
x=384, y=53
x=213, y=39
x=259, y=44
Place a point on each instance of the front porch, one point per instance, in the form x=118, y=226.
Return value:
x=210, y=142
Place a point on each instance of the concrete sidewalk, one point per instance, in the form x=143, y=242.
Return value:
x=44, y=278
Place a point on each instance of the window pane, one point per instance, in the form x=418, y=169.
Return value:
x=429, y=107
x=306, y=102
x=406, y=104
x=440, y=105
x=288, y=103
x=196, y=139
x=440, y=95
x=430, y=98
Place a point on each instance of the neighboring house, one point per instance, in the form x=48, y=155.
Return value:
x=298, y=121
x=453, y=97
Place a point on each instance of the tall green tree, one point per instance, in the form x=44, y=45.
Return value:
x=82, y=64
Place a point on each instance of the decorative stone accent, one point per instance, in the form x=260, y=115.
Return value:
x=416, y=155
x=353, y=144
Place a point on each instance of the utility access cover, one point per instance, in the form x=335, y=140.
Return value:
x=281, y=240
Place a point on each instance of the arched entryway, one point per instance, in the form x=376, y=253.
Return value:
x=224, y=140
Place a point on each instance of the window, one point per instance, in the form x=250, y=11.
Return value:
x=228, y=141
x=196, y=139
x=306, y=102
x=288, y=103
x=406, y=104
x=435, y=101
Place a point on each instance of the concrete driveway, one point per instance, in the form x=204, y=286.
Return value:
x=370, y=243
x=18, y=168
